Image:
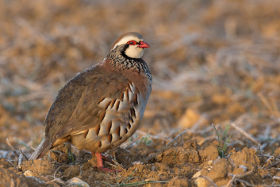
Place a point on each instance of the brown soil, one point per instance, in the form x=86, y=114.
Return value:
x=180, y=165
x=213, y=62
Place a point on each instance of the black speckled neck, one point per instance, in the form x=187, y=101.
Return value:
x=122, y=62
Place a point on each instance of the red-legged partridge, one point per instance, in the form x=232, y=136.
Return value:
x=103, y=106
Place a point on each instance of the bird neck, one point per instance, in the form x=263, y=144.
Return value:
x=122, y=62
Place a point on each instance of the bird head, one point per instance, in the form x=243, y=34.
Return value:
x=131, y=44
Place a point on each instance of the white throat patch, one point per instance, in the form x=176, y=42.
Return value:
x=134, y=52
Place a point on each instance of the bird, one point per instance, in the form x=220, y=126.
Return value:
x=102, y=106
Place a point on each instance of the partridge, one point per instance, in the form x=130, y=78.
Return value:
x=103, y=106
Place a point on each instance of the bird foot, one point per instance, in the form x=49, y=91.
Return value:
x=100, y=166
x=107, y=159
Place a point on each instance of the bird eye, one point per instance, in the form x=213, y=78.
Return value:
x=132, y=42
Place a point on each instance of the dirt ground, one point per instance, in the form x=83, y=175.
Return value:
x=213, y=118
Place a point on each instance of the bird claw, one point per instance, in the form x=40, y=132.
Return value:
x=107, y=159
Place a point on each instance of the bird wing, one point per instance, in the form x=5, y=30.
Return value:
x=89, y=99
x=109, y=121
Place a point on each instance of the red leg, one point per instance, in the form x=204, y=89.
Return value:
x=99, y=160
x=100, y=163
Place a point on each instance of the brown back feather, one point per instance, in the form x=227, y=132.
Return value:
x=75, y=107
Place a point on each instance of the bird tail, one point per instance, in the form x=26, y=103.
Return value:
x=42, y=149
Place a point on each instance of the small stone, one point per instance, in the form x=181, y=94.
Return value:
x=28, y=173
x=243, y=167
x=77, y=181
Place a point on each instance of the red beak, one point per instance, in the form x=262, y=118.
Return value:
x=143, y=45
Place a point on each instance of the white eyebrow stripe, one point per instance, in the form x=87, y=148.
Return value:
x=126, y=39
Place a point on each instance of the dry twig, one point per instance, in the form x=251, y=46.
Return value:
x=245, y=133
x=180, y=135
x=230, y=182
x=210, y=180
x=10, y=145
x=274, y=164
x=49, y=181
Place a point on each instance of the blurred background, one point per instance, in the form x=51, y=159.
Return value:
x=213, y=62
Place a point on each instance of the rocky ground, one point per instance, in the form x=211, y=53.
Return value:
x=212, y=118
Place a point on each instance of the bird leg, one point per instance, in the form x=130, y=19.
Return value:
x=99, y=165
